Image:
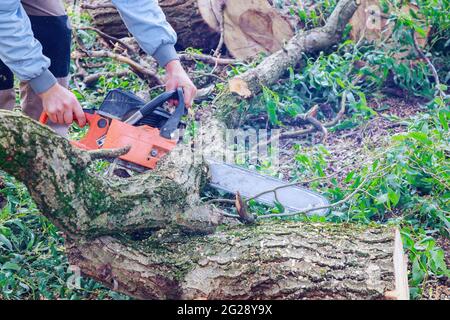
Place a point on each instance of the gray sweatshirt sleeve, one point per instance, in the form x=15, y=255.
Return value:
x=19, y=50
x=148, y=24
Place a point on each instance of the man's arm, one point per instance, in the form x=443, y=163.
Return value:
x=19, y=50
x=148, y=24
x=22, y=53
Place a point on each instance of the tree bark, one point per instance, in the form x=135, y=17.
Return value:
x=130, y=233
x=85, y=204
x=251, y=82
x=372, y=24
x=271, y=260
x=151, y=237
x=146, y=236
x=248, y=27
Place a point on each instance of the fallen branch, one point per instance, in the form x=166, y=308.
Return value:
x=142, y=71
x=99, y=218
x=273, y=67
x=92, y=78
x=221, y=21
x=429, y=63
x=208, y=59
x=108, y=153
x=108, y=37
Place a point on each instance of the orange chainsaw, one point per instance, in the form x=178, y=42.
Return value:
x=123, y=119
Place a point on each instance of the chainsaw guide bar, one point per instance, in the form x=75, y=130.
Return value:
x=233, y=179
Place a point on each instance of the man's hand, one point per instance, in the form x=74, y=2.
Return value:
x=62, y=106
x=177, y=77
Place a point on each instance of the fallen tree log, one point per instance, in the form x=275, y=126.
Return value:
x=133, y=249
x=248, y=27
x=150, y=236
x=268, y=261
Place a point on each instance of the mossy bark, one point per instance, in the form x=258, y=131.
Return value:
x=86, y=204
x=271, y=260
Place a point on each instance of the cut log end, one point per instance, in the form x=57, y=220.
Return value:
x=253, y=27
x=249, y=27
x=400, y=259
x=240, y=87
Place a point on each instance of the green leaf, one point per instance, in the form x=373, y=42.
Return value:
x=438, y=258
x=421, y=137
x=349, y=176
x=420, y=31
x=6, y=242
x=340, y=83
x=443, y=119
x=394, y=197
x=272, y=112
x=417, y=273
x=11, y=266
x=279, y=208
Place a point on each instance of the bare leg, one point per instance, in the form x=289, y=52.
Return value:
x=32, y=105
x=7, y=99
x=7, y=93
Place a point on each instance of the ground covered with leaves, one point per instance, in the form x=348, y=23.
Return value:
x=382, y=155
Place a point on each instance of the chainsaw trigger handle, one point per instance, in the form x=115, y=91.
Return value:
x=174, y=121
x=44, y=118
x=89, y=113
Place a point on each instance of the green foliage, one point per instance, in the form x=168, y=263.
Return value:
x=311, y=16
x=356, y=71
x=408, y=185
x=33, y=264
x=425, y=256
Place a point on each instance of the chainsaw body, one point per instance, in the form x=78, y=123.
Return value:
x=148, y=135
x=147, y=144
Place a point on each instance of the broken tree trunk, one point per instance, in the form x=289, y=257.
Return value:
x=248, y=27
x=151, y=237
x=125, y=233
x=371, y=22
x=273, y=67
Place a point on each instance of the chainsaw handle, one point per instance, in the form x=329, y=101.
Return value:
x=159, y=100
x=43, y=118
x=89, y=114
x=172, y=124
